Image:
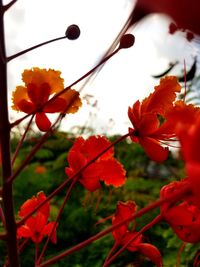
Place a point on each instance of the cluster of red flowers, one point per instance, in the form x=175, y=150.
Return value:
x=157, y=121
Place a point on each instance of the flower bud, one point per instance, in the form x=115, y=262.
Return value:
x=72, y=32
x=127, y=41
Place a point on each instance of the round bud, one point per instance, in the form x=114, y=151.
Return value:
x=72, y=32
x=127, y=41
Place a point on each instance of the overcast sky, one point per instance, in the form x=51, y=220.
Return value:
x=123, y=80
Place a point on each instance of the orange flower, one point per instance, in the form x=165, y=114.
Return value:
x=40, y=169
x=36, y=227
x=105, y=168
x=147, y=117
x=40, y=86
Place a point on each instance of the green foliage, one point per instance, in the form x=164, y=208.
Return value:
x=82, y=212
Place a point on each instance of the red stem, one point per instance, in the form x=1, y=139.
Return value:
x=57, y=218
x=174, y=197
x=22, y=140
x=7, y=191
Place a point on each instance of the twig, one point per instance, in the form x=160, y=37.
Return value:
x=6, y=7
x=34, y=47
x=21, y=141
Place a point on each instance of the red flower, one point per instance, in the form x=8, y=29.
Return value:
x=36, y=227
x=40, y=85
x=105, y=168
x=148, y=130
x=122, y=234
x=184, y=218
x=188, y=132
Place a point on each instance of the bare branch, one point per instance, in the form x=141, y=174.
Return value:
x=34, y=47
x=6, y=7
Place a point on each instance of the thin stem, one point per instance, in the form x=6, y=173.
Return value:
x=36, y=254
x=67, y=88
x=7, y=191
x=3, y=236
x=2, y=216
x=21, y=141
x=62, y=186
x=145, y=228
x=34, y=47
x=30, y=156
x=178, y=260
x=57, y=218
x=6, y=7
x=174, y=197
x=114, y=247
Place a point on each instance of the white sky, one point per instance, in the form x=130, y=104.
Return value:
x=123, y=80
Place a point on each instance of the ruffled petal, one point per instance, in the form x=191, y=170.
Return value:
x=18, y=95
x=163, y=96
x=94, y=145
x=73, y=101
x=42, y=121
x=112, y=172
x=39, y=76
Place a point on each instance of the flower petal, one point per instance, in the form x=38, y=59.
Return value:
x=26, y=106
x=94, y=145
x=42, y=121
x=57, y=105
x=18, y=95
x=24, y=231
x=38, y=94
x=47, y=231
x=112, y=172
x=73, y=101
x=153, y=149
x=151, y=252
x=39, y=76
x=124, y=210
x=163, y=96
